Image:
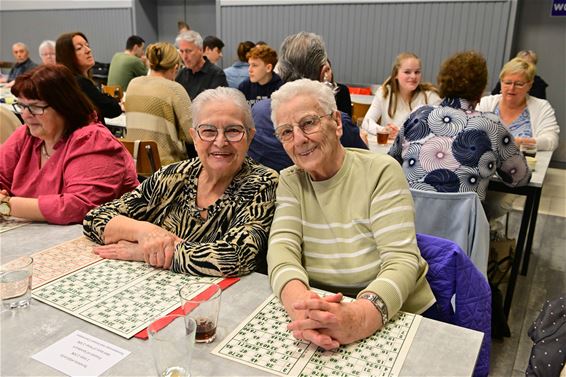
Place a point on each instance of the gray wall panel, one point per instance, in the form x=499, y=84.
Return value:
x=106, y=29
x=363, y=39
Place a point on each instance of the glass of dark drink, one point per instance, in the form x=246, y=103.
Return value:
x=528, y=149
x=382, y=137
x=201, y=302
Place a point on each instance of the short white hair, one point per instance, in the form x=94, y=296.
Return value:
x=190, y=36
x=222, y=94
x=46, y=43
x=321, y=92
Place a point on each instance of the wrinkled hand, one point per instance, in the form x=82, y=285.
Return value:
x=123, y=250
x=330, y=322
x=158, y=246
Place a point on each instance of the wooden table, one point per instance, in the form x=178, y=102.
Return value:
x=438, y=349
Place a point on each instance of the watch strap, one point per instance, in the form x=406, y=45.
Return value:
x=379, y=304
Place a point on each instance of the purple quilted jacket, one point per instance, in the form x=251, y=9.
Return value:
x=450, y=273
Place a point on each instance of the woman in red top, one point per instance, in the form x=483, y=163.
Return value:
x=62, y=162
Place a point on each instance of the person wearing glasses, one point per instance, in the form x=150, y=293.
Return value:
x=344, y=223
x=205, y=216
x=451, y=147
x=47, y=52
x=302, y=55
x=63, y=162
x=159, y=108
x=530, y=120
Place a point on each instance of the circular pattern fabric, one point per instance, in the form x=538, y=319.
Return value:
x=469, y=145
x=443, y=180
x=507, y=146
x=490, y=127
x=469, y=178
x=411, y=163
x=487, y=165
x=515, y=166
x=446, y=121
x=436, y=153
x=416, y=125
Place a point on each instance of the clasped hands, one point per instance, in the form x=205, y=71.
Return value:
x=328, y=322
x=155, y=246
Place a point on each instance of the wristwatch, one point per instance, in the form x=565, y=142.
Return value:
x=5, y=208
x=378, y=303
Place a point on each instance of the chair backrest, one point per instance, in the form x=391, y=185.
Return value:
x=359, y=111
x=114, y=91
x=146, y=155
x=455, y=216
x=453, y=277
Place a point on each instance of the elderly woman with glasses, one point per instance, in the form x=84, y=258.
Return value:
x=529, y=119
x=63, y=162
x=205, y=216
x=344, y=223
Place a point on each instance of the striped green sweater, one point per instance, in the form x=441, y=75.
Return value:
x=351, y=233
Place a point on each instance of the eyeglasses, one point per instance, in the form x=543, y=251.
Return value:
x=47, y=54
x=208, y=132
x=516, y=84
x=308, y=125
x=33, y=109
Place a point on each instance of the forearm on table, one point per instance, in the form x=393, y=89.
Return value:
x=124, y=228
x=26, y=208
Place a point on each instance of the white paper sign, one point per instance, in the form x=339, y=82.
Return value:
x=80, y=354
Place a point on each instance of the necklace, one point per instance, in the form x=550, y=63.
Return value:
x=44, y=151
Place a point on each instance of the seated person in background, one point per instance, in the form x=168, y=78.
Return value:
x=452, y=147
x=238, y=71
x=9, y=122
x=400, y=93
x=302, y=55
x=23, y=63
x=538, y=85
x=529, y=119
x=63, y=162
x=199, y=73
x=262, y=81
x=128, y=64
x=342, y=94
x=73, y=51
x=344, y=223
x=212, y=48
x=158, y=108
x=47, y=52
x=206, y=216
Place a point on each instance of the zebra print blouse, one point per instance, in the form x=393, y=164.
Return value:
x=232, y=241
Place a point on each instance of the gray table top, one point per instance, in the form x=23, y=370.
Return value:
x=438, y=349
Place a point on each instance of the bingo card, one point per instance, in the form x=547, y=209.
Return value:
x=119, y=296
x=9, y=223
x=262, y=341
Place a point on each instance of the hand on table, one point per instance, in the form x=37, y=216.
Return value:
x=330, y=322
x=123, y=250
x=158, y=246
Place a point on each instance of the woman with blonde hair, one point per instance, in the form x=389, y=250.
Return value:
x=538, y=89
x=158, y=108
x=399, y=94
x=529, y=119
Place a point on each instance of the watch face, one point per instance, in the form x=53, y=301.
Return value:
x=4, y=209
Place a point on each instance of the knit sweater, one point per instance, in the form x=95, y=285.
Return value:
x=159, y=109
x=352, y=232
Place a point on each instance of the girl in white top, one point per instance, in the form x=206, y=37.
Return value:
x=400, y=94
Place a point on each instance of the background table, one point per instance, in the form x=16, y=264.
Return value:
x=438, y=349
x=532, y=191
